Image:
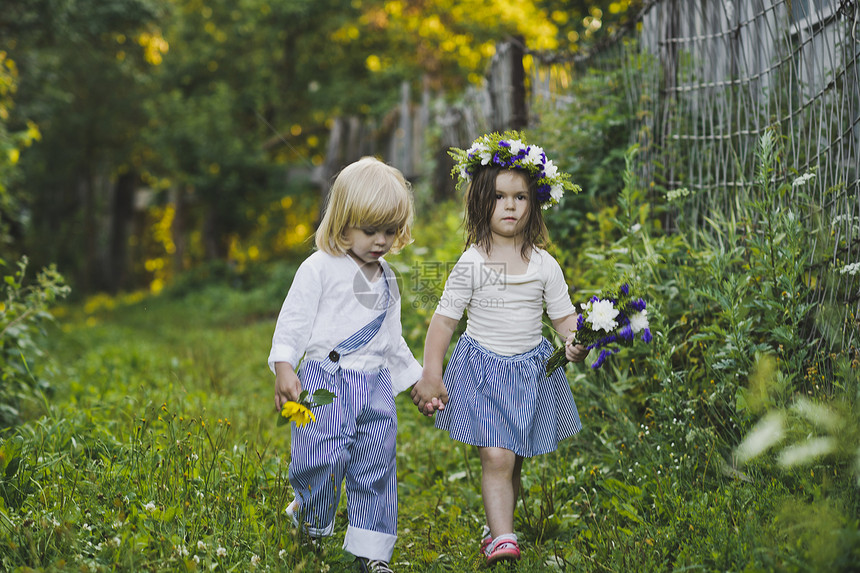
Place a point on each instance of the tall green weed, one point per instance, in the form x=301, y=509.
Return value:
x=24, y=310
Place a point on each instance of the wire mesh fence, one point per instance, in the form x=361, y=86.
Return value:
x=709, y=78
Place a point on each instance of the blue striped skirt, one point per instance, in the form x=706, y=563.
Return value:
x=507, y=401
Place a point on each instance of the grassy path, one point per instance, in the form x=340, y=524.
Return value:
x=158, y=451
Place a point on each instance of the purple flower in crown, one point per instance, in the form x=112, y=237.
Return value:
x=543, y=193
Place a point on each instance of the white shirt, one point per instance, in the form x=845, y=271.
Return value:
x=504, y=312
x=329, y=300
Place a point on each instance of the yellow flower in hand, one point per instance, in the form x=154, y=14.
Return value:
x=295, y=412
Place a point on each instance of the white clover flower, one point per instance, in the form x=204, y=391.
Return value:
x=677, y=194
x=282, y=553
x=803, y=179
x=115, y=541
x=196, y=559
x=639, y=321
x=201, y=546
x=221, y=552
x=150, y=507
x=255, y=560
x=86, y=527
x=181, y=550
x=602, y=316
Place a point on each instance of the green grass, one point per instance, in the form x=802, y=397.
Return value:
x=158, y=451
x=156, y=446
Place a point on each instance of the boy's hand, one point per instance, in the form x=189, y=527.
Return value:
x=429, y=395
x=574, y=352
x=288, y=387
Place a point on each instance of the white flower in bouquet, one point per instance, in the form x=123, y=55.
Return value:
x=639, y=321
x=601, y=315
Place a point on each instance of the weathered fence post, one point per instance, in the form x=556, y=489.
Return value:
x=506, y=85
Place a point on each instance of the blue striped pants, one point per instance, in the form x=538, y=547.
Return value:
x=352, y=440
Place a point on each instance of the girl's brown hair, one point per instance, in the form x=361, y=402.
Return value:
x=481, y=202
x=367, y=193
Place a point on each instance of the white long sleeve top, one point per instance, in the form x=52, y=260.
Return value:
x=328, y=301
x=504, y=312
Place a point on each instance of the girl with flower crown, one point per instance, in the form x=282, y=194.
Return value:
x=495, y=393
x=341, y=319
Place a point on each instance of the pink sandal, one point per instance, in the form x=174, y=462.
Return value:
x=503, y=548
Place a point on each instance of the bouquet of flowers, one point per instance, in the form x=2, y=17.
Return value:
x=300, y=411
x=605, y=322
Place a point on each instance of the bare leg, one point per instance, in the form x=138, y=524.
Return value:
x=500, y=478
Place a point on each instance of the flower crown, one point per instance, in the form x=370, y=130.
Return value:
x=510, y=150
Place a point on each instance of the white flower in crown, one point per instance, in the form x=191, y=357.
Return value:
x=510, y=150
x=534, y=156
x=516, y=146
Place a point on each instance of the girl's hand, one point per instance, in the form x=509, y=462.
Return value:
x=429, y=394
x=288, y=387
x=574, y=352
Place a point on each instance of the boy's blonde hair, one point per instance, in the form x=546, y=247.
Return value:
x=367, y=193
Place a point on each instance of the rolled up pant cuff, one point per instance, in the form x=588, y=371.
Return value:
x=369, y=544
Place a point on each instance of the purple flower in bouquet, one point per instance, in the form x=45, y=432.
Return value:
x=606, y=322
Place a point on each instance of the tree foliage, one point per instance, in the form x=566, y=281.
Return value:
x=205, y=103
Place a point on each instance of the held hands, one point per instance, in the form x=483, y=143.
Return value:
x=429, y=395
x=574, y=352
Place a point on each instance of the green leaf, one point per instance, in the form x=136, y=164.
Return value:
x=12, y=468
x=323, y=397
